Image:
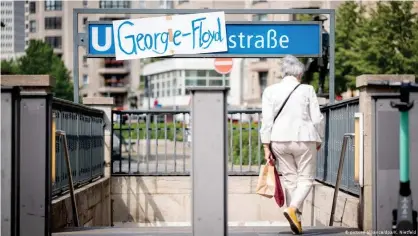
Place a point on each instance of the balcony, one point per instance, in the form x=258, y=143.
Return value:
x=112, y=66
x=114, y=86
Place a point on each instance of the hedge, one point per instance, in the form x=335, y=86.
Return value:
x=244, y=129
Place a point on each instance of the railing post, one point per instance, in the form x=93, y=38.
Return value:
x=209, y=161
x=9, y=150
x=105, y=104
x=33, y=160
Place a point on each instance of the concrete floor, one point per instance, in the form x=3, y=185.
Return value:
x=186, y=231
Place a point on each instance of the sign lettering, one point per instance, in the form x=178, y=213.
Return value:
x=263, y=39
x=163, y=36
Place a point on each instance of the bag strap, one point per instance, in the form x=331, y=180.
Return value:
x=284, y=103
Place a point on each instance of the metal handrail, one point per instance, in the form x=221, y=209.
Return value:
x=340, y=170
x=70, y=177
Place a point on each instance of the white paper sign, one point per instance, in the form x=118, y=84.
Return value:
x=168, y=35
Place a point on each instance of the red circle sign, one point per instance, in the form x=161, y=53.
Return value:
x=223, y=65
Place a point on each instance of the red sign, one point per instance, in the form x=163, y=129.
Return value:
x=223, y=65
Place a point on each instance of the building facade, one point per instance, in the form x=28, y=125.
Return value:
x=13, y=29
x=168, y=80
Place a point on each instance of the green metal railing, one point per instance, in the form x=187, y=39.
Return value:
x=84, y=128
x=157, y=143
x=339, y=120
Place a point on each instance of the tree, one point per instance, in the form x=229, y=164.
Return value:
x=390, y=41
x=9, y=67
x=63, y=86
x=40, y=59
x=350, y=22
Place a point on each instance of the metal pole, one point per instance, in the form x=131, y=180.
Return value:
x=75, y=57
x=209, y=161
x=339, y=174
x=332, y=58
x=148, y=117
x=241, y=83
x=70, y=178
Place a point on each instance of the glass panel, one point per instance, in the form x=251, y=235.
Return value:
x=215, y=82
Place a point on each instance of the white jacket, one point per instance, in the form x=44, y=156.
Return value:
x=300, y=120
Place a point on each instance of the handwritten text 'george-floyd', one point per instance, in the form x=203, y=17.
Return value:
x=194, y=34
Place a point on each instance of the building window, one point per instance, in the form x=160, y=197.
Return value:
x=183, y=1
x=85, y=3
x=119, y=100
x=32, y=26
x=196, y=82
x=213, y=73
x=85, y=80
x=53, y=5
x=54, y=42
x=215, y=82
x=85, y=20
x=114, y=4
x=262, y=80
x=53, y=22
x=201, y=73
x=32, y=7
x=260, y=17
x=166, y=4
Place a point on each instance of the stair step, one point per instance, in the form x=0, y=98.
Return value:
x=186, y=231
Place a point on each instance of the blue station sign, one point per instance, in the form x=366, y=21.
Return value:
x=245, y=39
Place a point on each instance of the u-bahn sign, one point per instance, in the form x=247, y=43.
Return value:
x=251, y=39
x=244, y=39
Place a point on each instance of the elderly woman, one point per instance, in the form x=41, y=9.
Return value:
x=294, y=137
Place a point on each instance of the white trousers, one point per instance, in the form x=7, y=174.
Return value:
x=297, y=164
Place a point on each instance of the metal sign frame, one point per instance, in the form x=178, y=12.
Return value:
x=80, y=38
x=226, y=55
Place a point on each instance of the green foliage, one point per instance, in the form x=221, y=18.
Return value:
x=156, y=131
x=392, y=47
x=350, y=22
x=40, y=59
x=247, y=146
x=9, y=67
x=384, y=42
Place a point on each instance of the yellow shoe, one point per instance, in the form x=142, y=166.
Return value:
x=294, y=220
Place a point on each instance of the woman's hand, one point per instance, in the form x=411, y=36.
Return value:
x=268, y=156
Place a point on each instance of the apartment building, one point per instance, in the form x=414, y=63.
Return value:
x=13, y=29
x=52, y=21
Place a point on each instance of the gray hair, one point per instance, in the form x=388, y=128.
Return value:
x=291, y=66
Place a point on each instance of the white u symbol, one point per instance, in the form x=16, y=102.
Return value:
x=95, y=39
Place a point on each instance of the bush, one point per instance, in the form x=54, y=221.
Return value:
x=247, y=146
x=248, y=141
x=156, y=131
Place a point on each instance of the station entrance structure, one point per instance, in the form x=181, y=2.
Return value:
x=209, y=128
